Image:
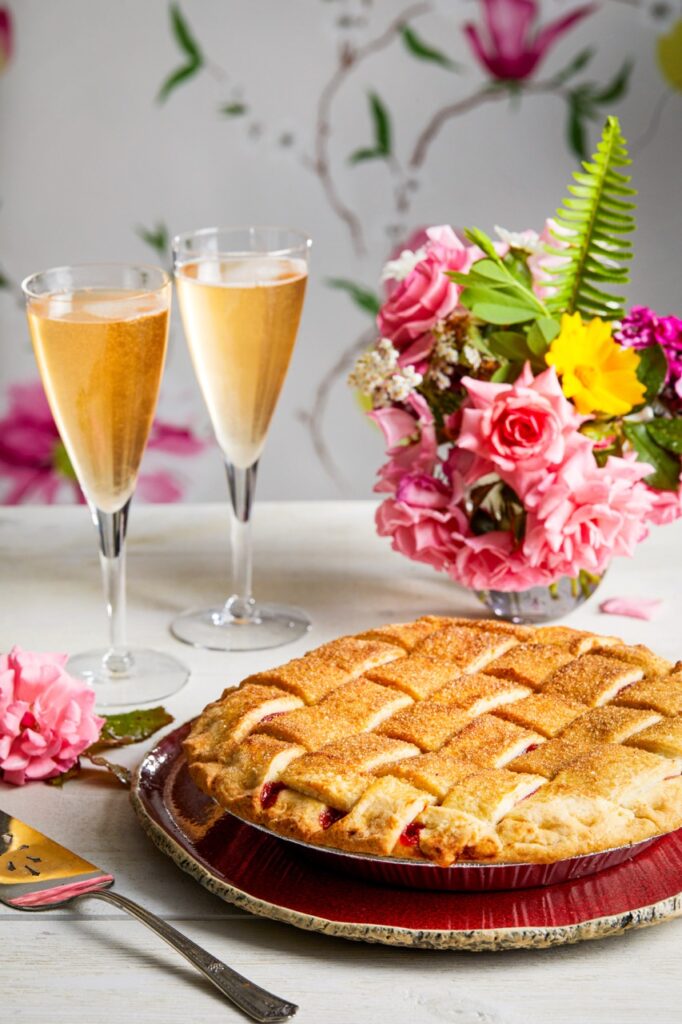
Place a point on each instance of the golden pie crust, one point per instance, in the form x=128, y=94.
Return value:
x=453, y=739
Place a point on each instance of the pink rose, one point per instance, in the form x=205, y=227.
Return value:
x=420, y=533
x=422, y=491
x=47, y=717
x=584, y=515
x=494, y=562
x=520, y=429
x=666, y=506
x=426, y=295
x=398, y=426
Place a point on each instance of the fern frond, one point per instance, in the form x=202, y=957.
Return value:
x=591, y=223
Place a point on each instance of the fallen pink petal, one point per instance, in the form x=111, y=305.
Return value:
x=634, y=607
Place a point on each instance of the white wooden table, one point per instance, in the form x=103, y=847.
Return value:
x=98, y=966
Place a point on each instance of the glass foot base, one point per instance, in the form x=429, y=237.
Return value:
x=214, y=630
x=152, y=677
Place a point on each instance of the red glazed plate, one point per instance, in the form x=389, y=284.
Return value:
x=275, y=878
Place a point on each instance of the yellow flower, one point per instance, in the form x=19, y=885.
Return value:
x=596, y=372
x=669, y=53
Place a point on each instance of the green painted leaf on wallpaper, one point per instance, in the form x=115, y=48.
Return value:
x=364, y=299
x=667, y=433
x=156, y=238
x=190, y=48
x=382, y=124
x=580, y=61
x=652, y=370
x=175, y=79
x=233, y=109
x=381, y=127
x=666, y=468
x=423, y=51
x=617, y=87
x=183, y=35
x=576, y=129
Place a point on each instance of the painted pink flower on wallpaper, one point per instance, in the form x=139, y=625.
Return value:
x=6, y=38
x=510, y=44
x=34, y=465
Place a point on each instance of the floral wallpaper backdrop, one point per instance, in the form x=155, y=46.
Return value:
x=361, y=121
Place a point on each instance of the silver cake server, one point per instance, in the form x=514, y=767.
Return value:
x=38, y=874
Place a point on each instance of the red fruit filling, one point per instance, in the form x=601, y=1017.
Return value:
x=410, y=834
x=533, y=746
x=269, y=793
x=329, y=816
x=269, y=718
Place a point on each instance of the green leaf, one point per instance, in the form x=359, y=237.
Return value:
x=488, y=268
x=592, y=248
x=483, y=242
x=495, y=311
x=617, y=87
x=652, y=370
x=418, y=48
x=381, y=123
x=119, y=771
x=130, y=727
x=175, y=79
x=509, y=345
x=184, y=37
x=580, y=61
x=575, y=128
x=665, y=476
x=233, y=109
x=536, y=340
x=361, y=155
x=549, y=327
x=156, y=238
x=667, y=434
x=363, y=298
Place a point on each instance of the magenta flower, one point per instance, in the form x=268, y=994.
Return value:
x=34, y=466
x=642, y=327
x=510, y=45
x=6, y=41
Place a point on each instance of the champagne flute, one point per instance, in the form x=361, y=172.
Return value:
x=241, y=294
x=99, y=334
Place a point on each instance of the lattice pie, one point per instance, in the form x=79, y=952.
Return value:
x=453, y=740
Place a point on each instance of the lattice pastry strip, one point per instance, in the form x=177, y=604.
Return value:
x=358, y=706
x=468, y=649
x=663, y=738
x=592, y=679
x=544, y=713
x=330, y=666
x=660, y=693
x=464, y=824
x=530, y=664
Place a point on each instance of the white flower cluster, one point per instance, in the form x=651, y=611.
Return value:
x=378, y=376
x=448, y=352
x=400, y=268
x=527, y=241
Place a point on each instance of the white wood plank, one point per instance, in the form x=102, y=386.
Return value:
x=94, y=970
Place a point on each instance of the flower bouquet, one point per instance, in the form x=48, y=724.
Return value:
x=534, y=426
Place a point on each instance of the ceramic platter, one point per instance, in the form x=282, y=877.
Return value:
x=325, y=892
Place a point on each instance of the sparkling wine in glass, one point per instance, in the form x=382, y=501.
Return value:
x=241, y=294
x=99, y=333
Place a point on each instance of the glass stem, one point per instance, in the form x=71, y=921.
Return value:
x=111, y=527
x=240, y=606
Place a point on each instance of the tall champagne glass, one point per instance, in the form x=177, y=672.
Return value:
x=100, y=333
x=241, y=293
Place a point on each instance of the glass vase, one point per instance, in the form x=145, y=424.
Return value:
x=541, y=604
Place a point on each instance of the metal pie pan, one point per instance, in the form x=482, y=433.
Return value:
x=465, y=876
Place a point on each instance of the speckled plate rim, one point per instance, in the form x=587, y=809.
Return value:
x=475, y=941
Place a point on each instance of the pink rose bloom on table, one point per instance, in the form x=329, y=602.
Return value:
x=47, y=717
x=425, y=294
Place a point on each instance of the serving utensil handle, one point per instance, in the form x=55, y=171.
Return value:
x=259, y=1004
